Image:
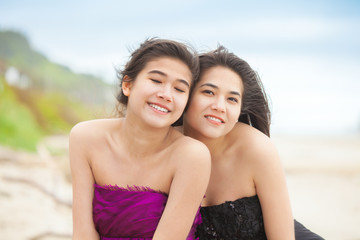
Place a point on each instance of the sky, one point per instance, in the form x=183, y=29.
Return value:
x=307, y=53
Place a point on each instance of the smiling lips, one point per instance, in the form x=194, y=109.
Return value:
x=214, y=119
x=163, y=110
x=159, y=108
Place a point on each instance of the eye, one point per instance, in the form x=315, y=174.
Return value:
x=155, y=81
x=179, y=90
x=235, y=100
x=209, y=92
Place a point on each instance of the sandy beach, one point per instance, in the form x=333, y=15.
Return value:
x=323, y=176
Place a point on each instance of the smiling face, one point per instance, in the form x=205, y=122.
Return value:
x=159, y=93
x=215, y=104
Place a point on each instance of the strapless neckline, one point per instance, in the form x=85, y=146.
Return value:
x=128, y=188
x=228, y=202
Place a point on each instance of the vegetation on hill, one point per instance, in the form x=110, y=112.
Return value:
x=39, y=97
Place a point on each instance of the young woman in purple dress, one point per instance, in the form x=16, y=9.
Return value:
x=136, y=177
x=247, y=196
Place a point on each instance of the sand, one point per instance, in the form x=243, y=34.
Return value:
x=323, y=176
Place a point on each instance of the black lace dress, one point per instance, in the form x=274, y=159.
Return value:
x=240, y=219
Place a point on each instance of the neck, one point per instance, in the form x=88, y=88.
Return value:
x=142, y=140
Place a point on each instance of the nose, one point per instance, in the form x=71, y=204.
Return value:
x=165, y=93
x=219, y=104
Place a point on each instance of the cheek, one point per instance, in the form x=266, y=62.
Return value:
x=235, y=113
x=192, y=110
x=182, y=100
x=195, y=105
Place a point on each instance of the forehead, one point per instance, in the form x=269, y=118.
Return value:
x=223, y=78
x=172, y=67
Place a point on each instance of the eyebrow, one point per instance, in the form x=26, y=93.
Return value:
x=209, y=85
x=165, y=75
x=216, y=87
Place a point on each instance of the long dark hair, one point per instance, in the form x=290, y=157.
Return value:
x=255, y=107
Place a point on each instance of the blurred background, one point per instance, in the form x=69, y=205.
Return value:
x=57, y=67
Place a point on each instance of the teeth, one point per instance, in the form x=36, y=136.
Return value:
x=214, y=119
x=159, y=108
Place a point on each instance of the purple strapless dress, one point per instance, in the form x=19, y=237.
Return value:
x=131, y=213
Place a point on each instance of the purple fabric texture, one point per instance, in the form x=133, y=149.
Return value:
x=131, y=213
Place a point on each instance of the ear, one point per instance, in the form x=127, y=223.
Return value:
x=126, y=85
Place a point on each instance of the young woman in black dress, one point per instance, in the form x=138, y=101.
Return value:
x=247, y=196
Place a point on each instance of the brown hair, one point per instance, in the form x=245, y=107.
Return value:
x=149, y=50
x=255, y=108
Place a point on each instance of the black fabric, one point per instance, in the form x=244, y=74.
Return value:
x=239, y=220
x=302, y=233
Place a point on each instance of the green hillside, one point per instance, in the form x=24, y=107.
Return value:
x=45, y=98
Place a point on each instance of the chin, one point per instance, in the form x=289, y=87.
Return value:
x=212, y=134
x=157, y=124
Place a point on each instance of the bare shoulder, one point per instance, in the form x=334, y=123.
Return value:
x=254, y=145
x=187, y=150
x=189, y=146
x=90, y=133
x=91, y=127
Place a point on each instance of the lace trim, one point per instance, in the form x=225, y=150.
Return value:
x=134, y=188
x=229, y=202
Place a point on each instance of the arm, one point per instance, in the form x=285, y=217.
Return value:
x=270, y=183
x=186, y=192
x=82, y=182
